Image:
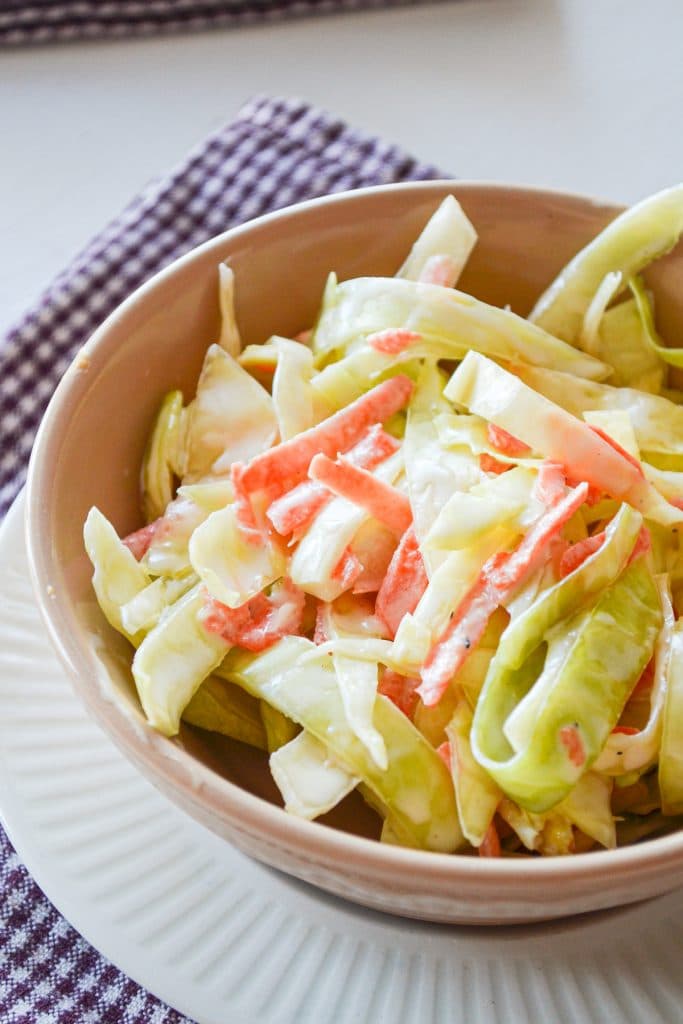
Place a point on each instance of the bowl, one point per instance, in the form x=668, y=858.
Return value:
x=89, y=451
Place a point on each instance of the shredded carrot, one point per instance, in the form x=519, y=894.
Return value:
x=347, y=570
x=393, y=340
x=498, y=580
x=488, y=464
x=444, y=752
x=244, y=512
x=504, y=442
x=570, y=738
x=282, y=467
x=139, y=541
x=381, y=500
x=617, y=447
x=627, y=730
x=260, y=622
x=320, y=633
x=576, y=554
x=642, y=545
x=404, y=583
x=440, y=269
x=296, y=509
x=401, y=690
x=490, y=844
x=550, y=483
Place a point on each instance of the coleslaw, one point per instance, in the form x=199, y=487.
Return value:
x=430, y=550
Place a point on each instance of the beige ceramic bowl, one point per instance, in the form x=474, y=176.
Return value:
x=89, y=452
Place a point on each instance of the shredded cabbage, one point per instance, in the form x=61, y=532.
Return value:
x=429, y=551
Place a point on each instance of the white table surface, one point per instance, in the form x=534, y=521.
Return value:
x=576, y=94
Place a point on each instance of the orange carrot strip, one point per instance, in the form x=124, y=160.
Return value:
x=504, y=442
x=139, y=541
x=393, y=340
x=320, y=633
x=498, y=579
x=570, y=739
x=576, y=554
x=282, y=467
x=488, y=464
x=490, y=844
x=444, y=752
x=642, y=545
x=292, y=513
x=404, y=583
x=381, y=500
x=401, y=690
x=347, y=570
x=259, y=623
x=440, y=269
x=550, y=483
x=617, y=447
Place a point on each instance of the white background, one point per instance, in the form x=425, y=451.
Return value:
x=584, y=95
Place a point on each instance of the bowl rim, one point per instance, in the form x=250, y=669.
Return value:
x=167, y=761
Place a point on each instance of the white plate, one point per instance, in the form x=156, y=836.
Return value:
x=224, y=939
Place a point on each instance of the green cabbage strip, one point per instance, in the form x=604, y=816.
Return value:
x=467, y=515
x=588, y=339
x=292, y=393
x=310, y=782
x=118, y=577
x=622, y=343
x=658, y=423
x=433, y=472
x=323, y=544
x=173, y=660
x=469, y=679
x=230, y=420
x=528, y=630
x=461, y=430
x=672, y=356
x=588, y=807
x=219, y=706
x=476, y=793
x=450, y=583
x=448, y=232
x=671, y=750
x=230, y=336
x=604, y=652
x=356, y=655
x=210, y=495
x=144, y=610
x=454, y=321
x=616, y=423
x=163, y=457
x=168, y=553
x=500, y=397
x=346, y=379
x=623, y=754
x=279, y=728
x=627, y=245
x=416, y=786
x=232, y=567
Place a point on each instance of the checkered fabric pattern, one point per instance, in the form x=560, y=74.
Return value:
x=49, y=21
x=276, y=152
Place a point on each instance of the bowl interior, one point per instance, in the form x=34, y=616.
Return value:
x=92, y=440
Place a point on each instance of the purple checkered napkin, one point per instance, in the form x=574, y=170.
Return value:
x=276, y=152
x=48, y=21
